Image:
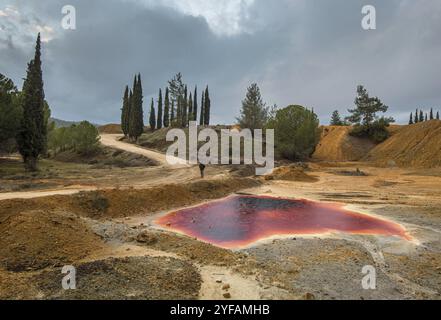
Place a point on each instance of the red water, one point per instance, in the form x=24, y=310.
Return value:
x=239, y=221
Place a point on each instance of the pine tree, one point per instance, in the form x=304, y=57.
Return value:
x=437, y=115
x=336, y=119
x=207, y=109
x=426, y=118
x=125, y=113
x=152, y=117
x=176, y=88
x=411, y=119
x=366, y=108
x=421, y=118
x=166, y=109
x=10, y=113
x=195, y=104
x=159, y=119
x=254, y=113
x=431, y=114
x=416, y=116
x=32, y=138
x=202, y=117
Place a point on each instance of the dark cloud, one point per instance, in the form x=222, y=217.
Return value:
x=304, y=52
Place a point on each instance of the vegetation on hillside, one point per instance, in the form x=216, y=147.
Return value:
x=336, y=120
x=420, y=117
x=178, y=108
x=10, y=114
x=296, y=132
x=364, y=117
x=82, y=138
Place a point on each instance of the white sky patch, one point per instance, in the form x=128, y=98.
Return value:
x=18, y=25
x=225, y=17
x=47, y=33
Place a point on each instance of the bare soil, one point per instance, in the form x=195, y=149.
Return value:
x=109, y=235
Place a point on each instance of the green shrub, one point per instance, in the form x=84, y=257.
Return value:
x=296, y=132
x=376, y=131
x=82, y=138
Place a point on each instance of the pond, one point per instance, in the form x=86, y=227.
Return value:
x=239, y=221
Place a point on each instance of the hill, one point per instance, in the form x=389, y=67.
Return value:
x=337, y=145
x=61, y=123
x=110, y=129
x=64, y=124
x=417, y=145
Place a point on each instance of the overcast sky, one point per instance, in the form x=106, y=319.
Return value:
x=308, y=52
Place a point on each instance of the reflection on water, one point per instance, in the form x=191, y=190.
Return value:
x=239, y=221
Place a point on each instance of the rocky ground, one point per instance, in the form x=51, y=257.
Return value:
x=108, y=235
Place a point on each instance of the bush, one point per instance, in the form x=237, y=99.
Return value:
x=377, y=131
x=296, y=132
x=82, y=138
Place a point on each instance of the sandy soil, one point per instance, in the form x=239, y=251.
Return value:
x=112, y=140
x=120, y=253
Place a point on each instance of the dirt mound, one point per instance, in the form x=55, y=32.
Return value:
x=337, y=145
x=110, y=129
x=134, y=202
x=291, y=173
x=124, y=203
x=417, y=145
x=106, y=157
x=148, y=278
x=37, y=239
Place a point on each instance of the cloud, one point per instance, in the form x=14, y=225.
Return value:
x=299, y=52
x=225, y=18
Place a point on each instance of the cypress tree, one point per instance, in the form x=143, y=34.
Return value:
x=416, y=116
x=431, y=114
x=437, y=115
x=136, y=122
x=159, y=120
x=195, y=104
x=167, y=109
x=152, y=117
x=207, y=109
x=421, y=119
x=131, y=122
x=426, y=118
x=178, y=121
x=190, y=108
x=201, y=120
x=125, y=112
x=411, y=119
x=32, y=137
x=172, y=116
x=184, y=106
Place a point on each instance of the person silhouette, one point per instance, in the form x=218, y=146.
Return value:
x=202, y=169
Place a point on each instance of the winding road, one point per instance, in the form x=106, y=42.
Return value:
x=113, y=141
x=108, y=140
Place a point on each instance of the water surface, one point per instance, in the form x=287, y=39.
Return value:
x=239, y=221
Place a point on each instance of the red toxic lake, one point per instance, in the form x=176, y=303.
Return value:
x=239, y=221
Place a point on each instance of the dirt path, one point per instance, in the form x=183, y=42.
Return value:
x=112, y=140
x=45, y=193
x=184, y=171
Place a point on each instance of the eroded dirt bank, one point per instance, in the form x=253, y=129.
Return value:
x=109, y=237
